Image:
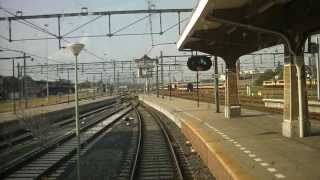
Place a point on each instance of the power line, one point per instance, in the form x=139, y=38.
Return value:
x=34, y=26
x=31, y=54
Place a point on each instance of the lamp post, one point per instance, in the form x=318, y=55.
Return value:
x=76, y=48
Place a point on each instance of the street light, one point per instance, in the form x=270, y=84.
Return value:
x=76, y=48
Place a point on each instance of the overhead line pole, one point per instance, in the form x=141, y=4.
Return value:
x=14, y=89
x=25, y=91
x=318, y=73
x=157, y=78
x=216, y=84
x=162, y=89
x=114, y=76
x=19, y=83
x=198, y=89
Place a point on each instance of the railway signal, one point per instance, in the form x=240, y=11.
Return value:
x=199, y=63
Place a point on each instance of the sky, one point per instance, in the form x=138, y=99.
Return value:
x=119, y=48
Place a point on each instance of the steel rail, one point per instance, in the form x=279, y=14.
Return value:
x=139, y=146
x=169, y=142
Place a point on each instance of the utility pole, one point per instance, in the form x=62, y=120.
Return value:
x=253, y=71
x=101, y=84
x=118, y=80
x=216, y=84
x=47, y=54
x=161, y=58
x=318, y=73
x=133, y=77
x=19, y=83
x=25, y=87
x=198, y=89
x=114, y=76
x=170, y=87
x=68, y=86
x=95, y=86
x=14, y=89
x=157, y=77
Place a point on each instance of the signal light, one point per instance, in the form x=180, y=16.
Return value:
x=199, y=63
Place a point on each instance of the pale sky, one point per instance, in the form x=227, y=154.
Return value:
x=119, y=48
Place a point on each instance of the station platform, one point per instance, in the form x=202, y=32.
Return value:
x=247, y=147
x=10, y=116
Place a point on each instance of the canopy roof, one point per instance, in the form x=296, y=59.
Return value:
x=216, y=26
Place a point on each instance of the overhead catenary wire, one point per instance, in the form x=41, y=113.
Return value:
x=34, y=26
x=32, y=54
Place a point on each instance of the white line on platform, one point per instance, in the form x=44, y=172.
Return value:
x=252, y=155
x=272, y=169
x=258, y=159
x=264, y=164
x=279, y=176
x=237, y=144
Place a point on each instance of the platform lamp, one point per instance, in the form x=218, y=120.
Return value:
x=76, y=48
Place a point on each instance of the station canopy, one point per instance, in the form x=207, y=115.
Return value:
x=214, y=26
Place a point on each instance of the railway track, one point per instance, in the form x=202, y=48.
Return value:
x=26, y=135
x=43, y=162
x=17, y=140
x=153, y=156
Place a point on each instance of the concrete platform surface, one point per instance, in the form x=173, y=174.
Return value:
x=248, y=147
x=10, y=116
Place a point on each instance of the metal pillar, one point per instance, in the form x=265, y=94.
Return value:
x=162, y=89
x=170, y=86
x=14, y=89
x=198, y=89
x=77, y=116
x=179, y=24
x=47, y=84
x=10, y=30
x=157, y=77
x=19, y=83
x=303, y=108
x=68, y=86
x=109, y=25
x=59, y=32
x=101, y=85
x=114, y=76
x=25, y=88
x=318, y=73
x=118, y=80
x=216, y=84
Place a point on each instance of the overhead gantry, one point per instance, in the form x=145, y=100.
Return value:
x=231, y=29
